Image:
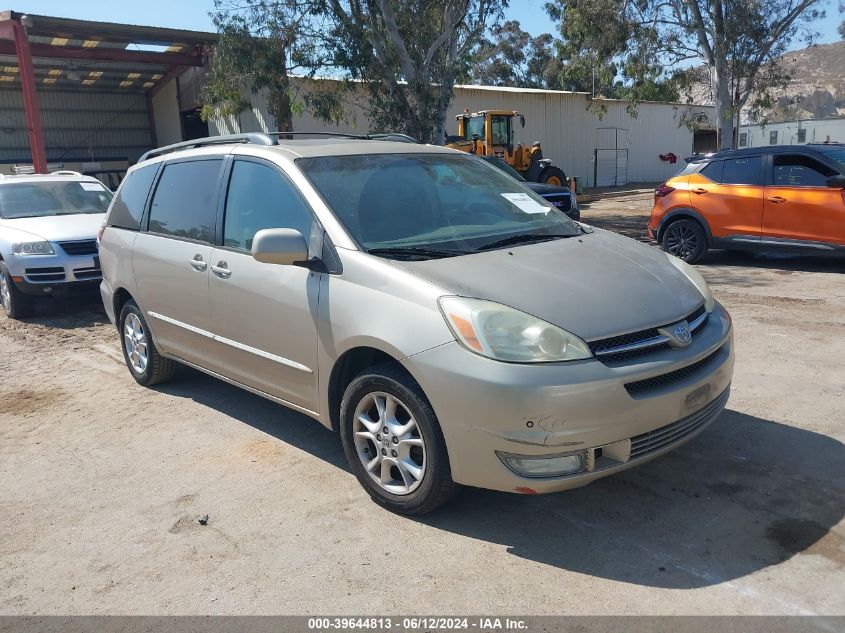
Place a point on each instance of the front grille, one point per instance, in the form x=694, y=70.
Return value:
x=87, y=273
x=45, y=274
x=641, y=386
x=646, y=443
x=80, y=247
x=612, y=350
x=562, y=202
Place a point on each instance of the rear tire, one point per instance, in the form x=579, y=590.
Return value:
x=146, y=365
x=685, y=239
x=552, y=175
x=405, y=468
x=16, y=304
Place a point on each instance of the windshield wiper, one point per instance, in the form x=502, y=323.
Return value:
x=523, y=238
x=416, y=251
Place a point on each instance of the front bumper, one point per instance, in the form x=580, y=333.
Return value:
x=486, y=406
x=41, y=275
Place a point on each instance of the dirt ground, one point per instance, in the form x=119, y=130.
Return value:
x=102, y=483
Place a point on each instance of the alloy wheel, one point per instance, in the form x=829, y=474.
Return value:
x=5, y=293
x=389, y=443
x=681, y=241
x=135, y=342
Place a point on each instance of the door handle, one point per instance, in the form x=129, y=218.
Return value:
x=776, y=199
x=197, y=263
x=699, y=191
x=222, y=270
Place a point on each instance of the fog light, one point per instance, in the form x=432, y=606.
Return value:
x=544, y=465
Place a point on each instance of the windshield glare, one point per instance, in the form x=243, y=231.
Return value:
x=39, y=199
x=444, y=201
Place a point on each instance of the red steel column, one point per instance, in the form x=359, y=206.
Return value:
x=30, y=98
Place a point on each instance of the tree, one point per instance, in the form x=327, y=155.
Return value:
x=842, y=29
x=739, y=41
x=514, y=58
x=263, y=44
x=409, y=55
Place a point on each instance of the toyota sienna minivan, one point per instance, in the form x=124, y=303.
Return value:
x=451, y=325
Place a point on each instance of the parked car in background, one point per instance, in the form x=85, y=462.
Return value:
x=784, y=197
x=559, y=196
x=48, y=236
x=418, y=302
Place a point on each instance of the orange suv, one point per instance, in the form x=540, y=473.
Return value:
x=775, y=197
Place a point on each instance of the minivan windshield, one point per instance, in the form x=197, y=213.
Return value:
x=502, y=165
x=432, y=205
x=48, y=198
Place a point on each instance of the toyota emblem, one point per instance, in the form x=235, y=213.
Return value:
x=682, y=333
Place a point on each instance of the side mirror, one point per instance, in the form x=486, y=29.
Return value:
x=837, y=182
x=279, y=246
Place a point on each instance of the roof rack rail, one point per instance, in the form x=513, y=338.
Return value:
x=385, y=136
x=254, y=138
x=65, y=172
x=394, y=136
x=281, y=135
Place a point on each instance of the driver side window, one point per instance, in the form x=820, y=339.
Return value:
x=797, y=170
x=260, y=197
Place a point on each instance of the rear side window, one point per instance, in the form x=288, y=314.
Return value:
x=185, y=200
x=713, y=171
x=741, y=171
x=685, y=171
x=261, y=198
x=129, y=204
x=795, y=170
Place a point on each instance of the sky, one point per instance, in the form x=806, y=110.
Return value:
x=193, y=14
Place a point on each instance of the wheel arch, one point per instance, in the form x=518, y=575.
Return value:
x=121, y=296
x=683, y=214
x=348, y=365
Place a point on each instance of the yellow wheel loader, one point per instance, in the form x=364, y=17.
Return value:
x=490, y=133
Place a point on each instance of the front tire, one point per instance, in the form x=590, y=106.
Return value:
x=146, y=365
x=686, y=240
x=393, y=443
x=552, y=175
x=15, y=304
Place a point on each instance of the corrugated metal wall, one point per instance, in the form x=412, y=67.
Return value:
x=78, y=126
x=568, y=131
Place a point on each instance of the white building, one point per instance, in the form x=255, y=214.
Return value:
x=615, y=149
x=793, y=132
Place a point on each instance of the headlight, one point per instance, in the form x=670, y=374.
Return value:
x=502, y=333
x=32, y=248
x=695, y=277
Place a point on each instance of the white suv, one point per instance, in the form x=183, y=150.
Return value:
x=48, y=236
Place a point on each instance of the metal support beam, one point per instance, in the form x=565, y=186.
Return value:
x=30, y=97
x=47, y=51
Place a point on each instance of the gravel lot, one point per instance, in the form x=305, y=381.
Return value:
x=102, y=483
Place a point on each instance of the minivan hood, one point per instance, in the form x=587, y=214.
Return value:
x=596, y=285
x=59, y=228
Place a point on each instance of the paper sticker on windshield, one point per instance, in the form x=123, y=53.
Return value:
x=91, y=186
x=525, y=202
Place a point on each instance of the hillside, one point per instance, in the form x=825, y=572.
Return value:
x=816, y=90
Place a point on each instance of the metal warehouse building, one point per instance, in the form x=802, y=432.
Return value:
x=613, y=149
x=93, y=96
